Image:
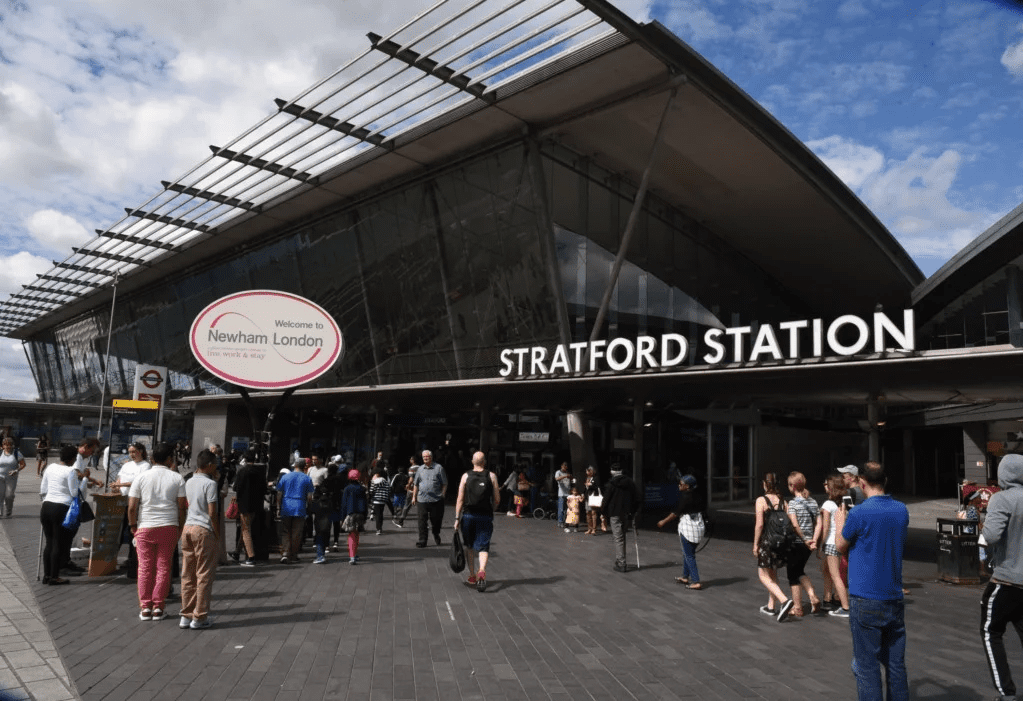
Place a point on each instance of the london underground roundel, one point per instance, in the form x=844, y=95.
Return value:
x=265, y=339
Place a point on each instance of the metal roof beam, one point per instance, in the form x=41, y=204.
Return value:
x=164, y=219
x=33, y=306
x=83, y=269
x=430, y=67
x=136, y=239
x=211, y=196
x=66, y=281
x=40, y=288
x=333, y=123
x=108, y=256
x=13, y=313
x=262, y=164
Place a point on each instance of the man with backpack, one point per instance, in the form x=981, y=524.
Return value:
x=478, y=495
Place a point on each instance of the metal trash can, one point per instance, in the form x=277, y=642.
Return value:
x=958, y=552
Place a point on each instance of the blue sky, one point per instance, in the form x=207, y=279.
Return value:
x=913, y=104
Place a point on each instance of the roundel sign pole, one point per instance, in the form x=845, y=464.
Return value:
x=265, y=340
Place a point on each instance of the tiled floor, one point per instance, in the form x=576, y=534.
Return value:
x=556, y=623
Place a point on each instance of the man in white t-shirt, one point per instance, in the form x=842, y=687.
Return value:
x=564, y=479
x=199, y=544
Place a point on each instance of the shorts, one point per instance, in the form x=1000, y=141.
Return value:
x=831, y=550
x=476, y=532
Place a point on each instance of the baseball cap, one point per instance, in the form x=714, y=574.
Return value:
x=850, y=469
x=689, y=479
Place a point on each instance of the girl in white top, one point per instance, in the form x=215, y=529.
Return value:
x=60, y=483
x=836, y=489
x=131, y=469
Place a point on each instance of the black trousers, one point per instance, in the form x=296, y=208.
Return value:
x=57, y=550
x=1001, y=605
x=431, y=513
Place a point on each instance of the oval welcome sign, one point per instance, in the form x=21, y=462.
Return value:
x=265, y=339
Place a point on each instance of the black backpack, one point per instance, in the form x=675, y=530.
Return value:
x=478, y=488
x=778, y=533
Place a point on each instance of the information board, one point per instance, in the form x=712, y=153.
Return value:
x=132, y=421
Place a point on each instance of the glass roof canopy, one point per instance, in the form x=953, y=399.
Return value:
x=455, y=53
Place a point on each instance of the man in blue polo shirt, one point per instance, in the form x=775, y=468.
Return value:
x=873, y=534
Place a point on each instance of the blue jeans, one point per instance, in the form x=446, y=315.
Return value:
x=689, y=570
x=879, y=638
x=562, y=508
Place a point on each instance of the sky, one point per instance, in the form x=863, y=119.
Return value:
x=911, y=104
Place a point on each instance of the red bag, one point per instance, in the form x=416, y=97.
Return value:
x=232, y=509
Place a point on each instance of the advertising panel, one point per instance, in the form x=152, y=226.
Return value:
x=264, y=339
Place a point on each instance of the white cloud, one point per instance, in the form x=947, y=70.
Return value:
x=20, y=269
x=851, y=10
x=56, y=231
x=853, y=163
x=1012, y=59
x=912, y=196
x=17, y=375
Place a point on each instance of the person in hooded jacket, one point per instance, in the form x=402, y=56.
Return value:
x=622, y=500
x=1002, y=602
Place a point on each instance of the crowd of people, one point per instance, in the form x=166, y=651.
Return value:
x=857, y=533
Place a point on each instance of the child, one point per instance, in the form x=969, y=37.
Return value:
x=575, y=501
x=353, y=513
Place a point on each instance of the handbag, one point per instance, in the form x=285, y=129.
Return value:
x=85, y=512
x=595, y=501
x=457, y=558
x=232, y=510
x=71, y=518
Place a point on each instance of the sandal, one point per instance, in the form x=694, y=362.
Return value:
x=682, y=580
x=696, y=586
x=815, y=606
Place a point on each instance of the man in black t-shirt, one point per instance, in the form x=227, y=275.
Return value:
x=478, y=494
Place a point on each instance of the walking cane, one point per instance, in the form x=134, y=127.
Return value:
x=39, y=560
x=635, y=539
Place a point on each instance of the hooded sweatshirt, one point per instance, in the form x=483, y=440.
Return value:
x=1003, y=527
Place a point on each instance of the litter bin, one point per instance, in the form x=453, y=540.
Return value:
x=958, y=552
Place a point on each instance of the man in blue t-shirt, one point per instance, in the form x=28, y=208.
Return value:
x=296, y=490
x=873, y=534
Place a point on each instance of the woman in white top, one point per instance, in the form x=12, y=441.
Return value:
x=60, y=483
x=11, y=463
x=836, y=490
x=156, y=514
x=129, y=473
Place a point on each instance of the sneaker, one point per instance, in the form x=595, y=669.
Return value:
x=336, y=548
x=184, y=622
x=510, y=513
x=768, y=611
x=234, y=556
x=146, y=615
x=248, y=562
x=319, y=561
x=568, y=530
x=396, y=523
x=159, y=614
x=839, y=612
x=380, y=532
x=783, y=612
x=202, y=625
x=481, y=581
x=284, y=560
x=352, y=561
x=436, y=539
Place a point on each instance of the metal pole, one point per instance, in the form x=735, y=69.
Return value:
x=637, y=207
x=106, y=361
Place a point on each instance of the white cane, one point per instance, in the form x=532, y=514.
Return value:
x=39, y=561
x=635, y=539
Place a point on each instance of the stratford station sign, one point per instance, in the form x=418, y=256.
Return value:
x=848, y=335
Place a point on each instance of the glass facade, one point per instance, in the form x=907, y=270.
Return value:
x=430, y=281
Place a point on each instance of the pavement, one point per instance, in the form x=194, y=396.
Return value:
x=555, y=623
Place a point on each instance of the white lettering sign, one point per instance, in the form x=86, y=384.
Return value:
x=847, y=335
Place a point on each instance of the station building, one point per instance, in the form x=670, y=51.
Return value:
x=554, y=236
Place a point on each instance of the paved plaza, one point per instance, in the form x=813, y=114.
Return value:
x=556, y=623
